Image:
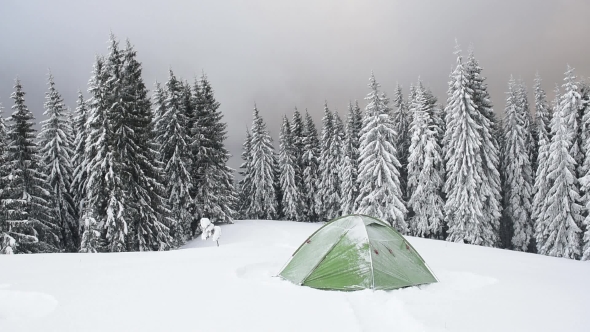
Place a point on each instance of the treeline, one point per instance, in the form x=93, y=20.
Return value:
x=120, y=173
x=452, y=171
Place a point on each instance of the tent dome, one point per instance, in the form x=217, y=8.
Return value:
x=357, y=252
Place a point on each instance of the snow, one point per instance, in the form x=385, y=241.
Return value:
x=480, y=289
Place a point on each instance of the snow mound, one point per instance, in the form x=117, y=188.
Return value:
x=20, y=305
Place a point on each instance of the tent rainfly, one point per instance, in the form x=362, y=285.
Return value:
x=357, y=252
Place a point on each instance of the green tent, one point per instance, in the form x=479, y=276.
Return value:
x=357, y=252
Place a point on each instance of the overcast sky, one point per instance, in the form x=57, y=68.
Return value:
x=286, y=54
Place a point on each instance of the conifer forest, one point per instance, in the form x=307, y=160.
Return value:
x=135, y=166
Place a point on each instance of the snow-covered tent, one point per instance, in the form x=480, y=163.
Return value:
x=357, y=252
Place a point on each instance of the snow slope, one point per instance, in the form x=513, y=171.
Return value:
x=232, y=288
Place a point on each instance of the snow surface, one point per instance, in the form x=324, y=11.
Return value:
x=231, y=288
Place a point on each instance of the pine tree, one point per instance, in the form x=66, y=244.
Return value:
x=263, y=203
x=557, y=229
x=491, y=134
x=328, y=193
x=350, y=188
x=124, y=192
x=544, y=119
x=297, y=127
x=95, y=164
x=80, y=174
x=29, y=224
x=90, y=241
x=245, y=183
x=291, y=200
x=530, y=139
x=311, y=165
x=215, y=190
x=465, y=207
x=55, y=155
x=174, y=153
x=6, y=241
x=338, y=160
x=517, y=171
x=585, y=169
x=380, y=192
x=133, y=134
x=425, y=168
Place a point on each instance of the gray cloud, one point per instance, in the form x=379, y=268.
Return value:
x=282, y=54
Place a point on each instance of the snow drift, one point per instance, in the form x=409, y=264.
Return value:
x=232, y=288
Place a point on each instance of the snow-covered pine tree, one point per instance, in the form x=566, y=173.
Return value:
x=311, y=168
x=215, y=191
x=25, y=200
x=465, y=207
x=544, y=116
x=585, y=168
x=425, y=169
x=95, y=164
x=338, y=160
x=380, y=193
x=140, y=173
x=558, y=225
x=6, y=242
x=328, y=193
x=174, y=153
x=350, y=188
x=297, y=126
x=542, y=120
x=401, y=118
x=189, y=105
x=90, y=240
x=291, y=200
x=491, y=133
x=516, y=229
x=531, y=142
x=245, y=183
x=263, y=204
x=436, y=115
x=79, y=172
x=55, y=153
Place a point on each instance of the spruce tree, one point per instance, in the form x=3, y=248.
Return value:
x=542, y=183
x=541, y=126
x=95, y=164
x=585, y=169
x=174, y=153
x=466, y=203
x=380, y=192
x=245, y=183
x=558, y=224
x=328, y=193
x=215, y=191
x=491, y=133
x=425, y=170
x=29, y=225
x=291, y=200
x=124, y=192
x=350, y=188
x=263, y=204
x=55, y=151
x=517, y=172
x=80, y=174
x=529, y=134
x=133, y=134
x=311, y=165
x=7, y=243
x=297, y=127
